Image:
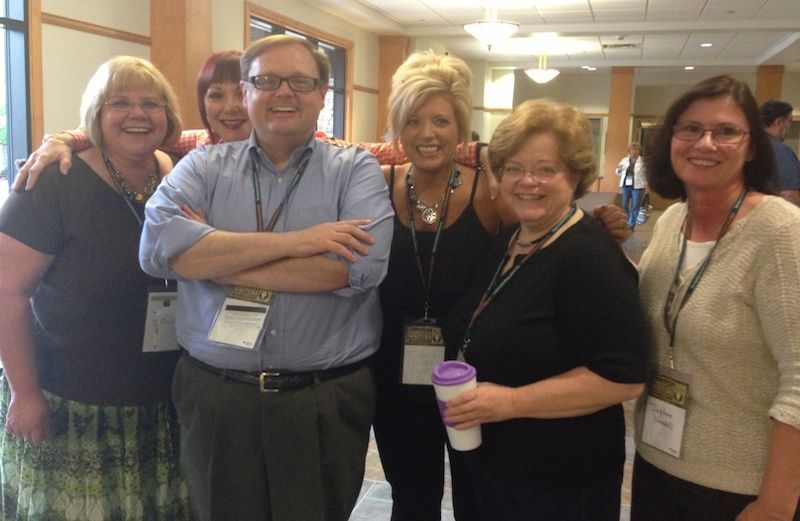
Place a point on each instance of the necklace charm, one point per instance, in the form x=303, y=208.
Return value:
x=124, y=186
x=429, y=214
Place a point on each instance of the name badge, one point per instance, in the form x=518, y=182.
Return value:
x=665, y=414
x=423, y=350
x=240, y=320
x=159, y=325
x=628, y=181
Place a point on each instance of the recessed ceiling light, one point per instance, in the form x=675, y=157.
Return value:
x=706, y=44
x=588, y=68
x=689, y=68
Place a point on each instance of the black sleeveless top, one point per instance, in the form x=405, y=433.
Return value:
x=462, y=245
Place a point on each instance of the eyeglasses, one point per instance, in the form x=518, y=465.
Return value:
x=150, y=106
x=296, y=83
x=542, y=173
x=722, y=134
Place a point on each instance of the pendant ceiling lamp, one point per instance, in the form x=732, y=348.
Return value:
x=542, y=74
x=491, y=30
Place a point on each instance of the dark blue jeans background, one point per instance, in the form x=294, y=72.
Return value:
x=631, y=201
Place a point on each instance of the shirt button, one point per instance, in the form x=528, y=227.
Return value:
x=280, y=179
x=273, y=332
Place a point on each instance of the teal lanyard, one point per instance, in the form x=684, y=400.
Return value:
x=301, y=168
x=499, y=282
x=452, y=182
x=671, y=322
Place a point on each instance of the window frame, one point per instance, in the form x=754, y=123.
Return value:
x=315, y=35
x=17, y=68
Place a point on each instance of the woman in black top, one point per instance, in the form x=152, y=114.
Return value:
x=543, y=330
x=437, y=203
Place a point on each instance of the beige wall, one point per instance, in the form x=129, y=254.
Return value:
x=70, y=56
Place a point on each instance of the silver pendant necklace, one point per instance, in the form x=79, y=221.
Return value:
x=428, y=212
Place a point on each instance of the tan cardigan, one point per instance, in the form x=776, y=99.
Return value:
x=738, y=339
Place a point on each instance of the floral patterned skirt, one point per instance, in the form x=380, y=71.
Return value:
x=100, y=463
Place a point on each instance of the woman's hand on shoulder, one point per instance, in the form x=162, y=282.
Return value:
x=28, y=416
x=48, y=152
x=614, y=220
x=487, y=403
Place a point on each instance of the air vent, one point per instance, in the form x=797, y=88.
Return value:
x=620, y=46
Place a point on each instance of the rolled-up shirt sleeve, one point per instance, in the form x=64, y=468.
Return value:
x=168, y=232
x=366, y=197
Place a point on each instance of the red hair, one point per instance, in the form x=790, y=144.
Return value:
x=220, y=67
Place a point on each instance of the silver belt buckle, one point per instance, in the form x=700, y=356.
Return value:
x=262, y=380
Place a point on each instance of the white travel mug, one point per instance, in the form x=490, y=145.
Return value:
x=450, y=379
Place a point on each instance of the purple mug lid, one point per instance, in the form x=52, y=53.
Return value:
x=452, y=372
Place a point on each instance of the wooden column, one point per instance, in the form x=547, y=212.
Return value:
x=393, y=51
x=35, y=87
x=769, y=82
x=619, y=122
x=180, y=32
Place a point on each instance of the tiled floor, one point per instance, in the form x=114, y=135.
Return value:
x=375, y=501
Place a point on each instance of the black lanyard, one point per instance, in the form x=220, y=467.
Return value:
x=426, y=281
x=499, y=282
x=301, y=168
x=671, y=323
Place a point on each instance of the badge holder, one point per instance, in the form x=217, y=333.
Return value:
x=241, y=318
x=665, y=411
x=423, y=350
x=159, y=326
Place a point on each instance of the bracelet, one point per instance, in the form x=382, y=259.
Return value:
x=69, y=141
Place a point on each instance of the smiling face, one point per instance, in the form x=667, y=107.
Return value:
x=133, y=133
x=225, y=111
x=430, y=135
x=284, y=114
x=704, y=164
x=544, y=191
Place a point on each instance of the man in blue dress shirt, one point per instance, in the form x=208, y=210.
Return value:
x=777, y=118
x=279, y=244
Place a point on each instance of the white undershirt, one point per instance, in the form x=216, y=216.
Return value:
x=696, y=253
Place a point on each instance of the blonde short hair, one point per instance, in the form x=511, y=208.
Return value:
x=425, y=74
x=120, y=74
x=568, y=124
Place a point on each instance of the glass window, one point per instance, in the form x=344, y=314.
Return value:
x=14, y=138
x=332, y=116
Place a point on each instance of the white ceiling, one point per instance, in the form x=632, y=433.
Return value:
x=665, y=33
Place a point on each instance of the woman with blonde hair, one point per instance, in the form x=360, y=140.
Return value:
x=445, y=220
x=90, y=431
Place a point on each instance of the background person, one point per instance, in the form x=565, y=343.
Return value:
x=541, y=325
x=90, y=432
x=274, y=424
x=777, y=118
x=632, y=183
x=731, y=343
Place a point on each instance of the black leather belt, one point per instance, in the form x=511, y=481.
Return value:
x=274, y=380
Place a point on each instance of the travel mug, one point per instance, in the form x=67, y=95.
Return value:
x=451, y=378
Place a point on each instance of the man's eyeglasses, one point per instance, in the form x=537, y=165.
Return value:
x=721, y=134
x=150, y=106
x=296, y=83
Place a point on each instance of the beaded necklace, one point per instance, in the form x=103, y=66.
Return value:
x=125, y=187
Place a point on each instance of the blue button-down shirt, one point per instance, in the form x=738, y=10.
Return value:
x=303, y=331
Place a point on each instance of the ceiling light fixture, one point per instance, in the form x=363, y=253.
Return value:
x=689, y=68
x=491, y=30
x=542, y=74
x=706, y=44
